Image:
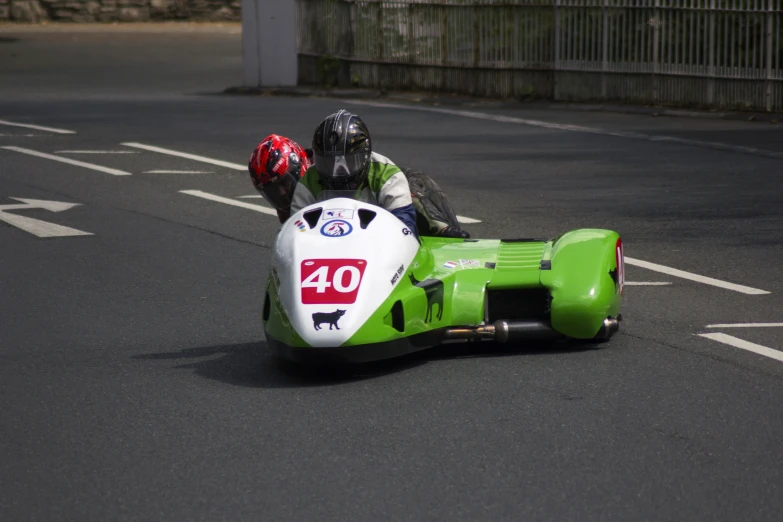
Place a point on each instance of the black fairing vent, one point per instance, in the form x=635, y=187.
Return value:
x=398, y=317
x=266, y=307
x=518, y=304
x=365, y=217
x=312, y=217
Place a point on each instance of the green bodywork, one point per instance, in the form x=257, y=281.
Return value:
x=578, y=269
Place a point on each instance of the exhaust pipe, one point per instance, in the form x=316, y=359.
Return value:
x=504, y=331
x=609, y=327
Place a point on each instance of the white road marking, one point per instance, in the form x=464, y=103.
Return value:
x=38, y=227
x=647, y=283
x=229, y=201
x=37, y=127
x=574, y=128
x=252, y=196
x=107, y=170
x=745, y=345
x=95, y=152
x=51, y=206
x=177, y=172
x=694, y=277
x=746, y=325
x=194, y=157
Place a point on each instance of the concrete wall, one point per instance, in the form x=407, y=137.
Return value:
x=269, y=52
x=118, y=10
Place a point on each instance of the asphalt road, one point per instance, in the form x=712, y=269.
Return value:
x=135, y=382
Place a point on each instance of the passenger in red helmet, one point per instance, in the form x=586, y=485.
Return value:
x=275, y=166
x=278, y=163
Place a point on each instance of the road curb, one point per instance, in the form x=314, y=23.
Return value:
x=165, y=27
x=470, y=102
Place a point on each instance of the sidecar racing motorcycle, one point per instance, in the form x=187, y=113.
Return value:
x=349, y=282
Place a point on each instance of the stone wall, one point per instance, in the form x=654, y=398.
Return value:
x=118, y=10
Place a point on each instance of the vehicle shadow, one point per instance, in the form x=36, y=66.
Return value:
x=255, y=365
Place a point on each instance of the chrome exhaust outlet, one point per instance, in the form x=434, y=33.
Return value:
x=609, y=327
x=504, y=331
x=525, y=331
x=471, y=333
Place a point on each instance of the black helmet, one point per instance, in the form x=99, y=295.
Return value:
x=342, y=148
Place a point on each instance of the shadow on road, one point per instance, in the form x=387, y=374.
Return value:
x=254, y=365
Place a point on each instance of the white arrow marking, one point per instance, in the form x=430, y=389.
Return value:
x=51, y=206
x=107, y=170
x=37, y=127
x=228, y=201
x=36, y=226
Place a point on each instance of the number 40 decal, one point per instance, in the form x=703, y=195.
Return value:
x=331, y=281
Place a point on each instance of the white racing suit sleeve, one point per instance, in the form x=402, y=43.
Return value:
x=395, y=193
x=395, y=196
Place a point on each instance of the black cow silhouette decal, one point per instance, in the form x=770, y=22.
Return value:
x=433, y=288
x=331, y=318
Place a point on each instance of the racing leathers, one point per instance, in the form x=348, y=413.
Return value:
x=386, y=186
x=434, y=213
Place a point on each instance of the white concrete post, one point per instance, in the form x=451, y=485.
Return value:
x=269, y=43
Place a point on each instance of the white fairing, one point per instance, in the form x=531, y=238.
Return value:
x=336, y=274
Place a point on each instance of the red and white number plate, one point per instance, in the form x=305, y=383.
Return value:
x=331, y=281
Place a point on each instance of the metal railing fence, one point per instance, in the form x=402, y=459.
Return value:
x=718, y=53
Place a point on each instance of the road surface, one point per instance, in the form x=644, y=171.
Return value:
x=136, y=383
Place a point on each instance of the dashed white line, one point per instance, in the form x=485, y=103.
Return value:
x=37, y=127
x=229, y=201
x=744, y=345
x=647, y=283
x=252, y=196
x=95, y=152
x=101, y=168
x=177, y=172
x=694, y=277
x=746, y=325
x=575, y=128
x=194, y=157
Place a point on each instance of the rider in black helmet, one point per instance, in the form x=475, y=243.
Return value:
x=344, y=161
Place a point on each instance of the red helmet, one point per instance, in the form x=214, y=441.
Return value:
x=275, y=167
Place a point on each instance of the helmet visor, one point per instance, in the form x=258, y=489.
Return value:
x=341, y=166
x=280, y=191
